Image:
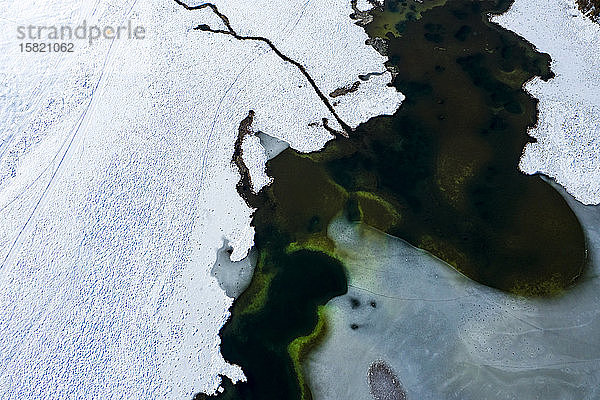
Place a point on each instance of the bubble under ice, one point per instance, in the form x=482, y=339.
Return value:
x=447, y=337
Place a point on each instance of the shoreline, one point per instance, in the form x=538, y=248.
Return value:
x=568, y=128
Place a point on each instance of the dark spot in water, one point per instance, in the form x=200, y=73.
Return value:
x=463, y=33
x=314, y=225
x=435, y=33
x=373, y=304
x=354, y=303
x=354, y=327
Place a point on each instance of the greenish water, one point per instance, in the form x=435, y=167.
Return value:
x=441, y=173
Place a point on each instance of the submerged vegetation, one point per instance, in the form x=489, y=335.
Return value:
x=441, y=173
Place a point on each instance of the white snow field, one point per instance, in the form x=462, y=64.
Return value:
x=568, y=131
x=117, y=189
x=449, y=338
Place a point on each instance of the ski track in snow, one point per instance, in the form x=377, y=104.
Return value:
x=117, y=189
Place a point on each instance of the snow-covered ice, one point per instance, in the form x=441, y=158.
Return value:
x=117, y=188
x=568, y=131
x=333, y=53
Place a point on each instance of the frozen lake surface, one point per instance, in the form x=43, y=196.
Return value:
x=447, y=337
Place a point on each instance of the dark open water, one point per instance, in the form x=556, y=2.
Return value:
x=441, y=173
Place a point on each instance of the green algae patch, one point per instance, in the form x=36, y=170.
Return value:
x=302, y=346
x=397, y=13
x=452, y=177
x=305, y=198
x=254, y=298
x=445, y=251
x=375, y=211
x=553, y=287
x=319, y=242
x=259, y=341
